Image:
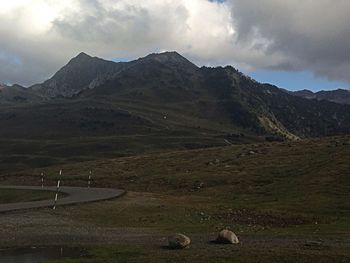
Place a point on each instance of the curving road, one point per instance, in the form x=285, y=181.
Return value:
x=76, y=195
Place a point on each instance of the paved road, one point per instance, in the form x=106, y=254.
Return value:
x=76, y=195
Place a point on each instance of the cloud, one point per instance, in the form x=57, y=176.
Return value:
x=307, y=34
x=45, y=34
x=39, y=36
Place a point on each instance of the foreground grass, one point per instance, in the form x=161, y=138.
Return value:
x=204, y=253
x=15, y=196
x=267, y=192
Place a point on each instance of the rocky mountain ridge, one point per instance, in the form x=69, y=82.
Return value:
x=341, y=96
x=159, y=85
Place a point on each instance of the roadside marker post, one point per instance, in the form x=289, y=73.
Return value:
x=56, y=196
x=57, y=189
x=60, y=178
x=42, y=180
x=228, y=142
x=89, y=182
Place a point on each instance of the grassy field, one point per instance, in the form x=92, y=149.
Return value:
x=38, y=136
x=15, y=196
x=287, y=202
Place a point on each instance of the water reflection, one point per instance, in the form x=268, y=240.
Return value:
x=38, y=255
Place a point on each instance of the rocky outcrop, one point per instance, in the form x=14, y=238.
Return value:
x=178, y=241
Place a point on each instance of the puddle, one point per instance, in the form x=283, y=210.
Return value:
x=39, y=254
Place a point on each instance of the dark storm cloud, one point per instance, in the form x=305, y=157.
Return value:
x=310, y=34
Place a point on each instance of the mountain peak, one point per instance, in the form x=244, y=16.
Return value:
x=170, y=57
x=81, y=57
x=168, y=54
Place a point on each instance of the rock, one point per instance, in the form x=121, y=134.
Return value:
x=178, y=241
x=227, y=237
x=311, y=243
x=216, y=161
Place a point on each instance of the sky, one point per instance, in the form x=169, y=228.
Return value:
x=294, y=44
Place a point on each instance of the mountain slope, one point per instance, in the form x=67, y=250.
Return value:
x=17, y=94
x=223, y=95
x=339, y=96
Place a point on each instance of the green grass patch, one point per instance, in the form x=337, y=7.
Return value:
x=15, y=196
x=206, y=253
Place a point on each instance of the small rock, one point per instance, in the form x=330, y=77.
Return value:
x=178, y=241
x=227, y=237
x=312, y=243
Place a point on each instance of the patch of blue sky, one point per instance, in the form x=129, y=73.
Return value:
x=121, y=59
x=9, y=58
x=296, y=80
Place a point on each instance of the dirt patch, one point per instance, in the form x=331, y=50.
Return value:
x=251, y=218
x=45, y=227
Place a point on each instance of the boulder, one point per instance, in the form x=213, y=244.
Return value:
x=227, y=237
x=178, y=241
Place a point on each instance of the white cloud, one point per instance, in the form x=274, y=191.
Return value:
x=39, y=36
x=44, y=34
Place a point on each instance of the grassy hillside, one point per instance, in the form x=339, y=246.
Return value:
x=40, y=135
x=307, y=177
x=288, y=202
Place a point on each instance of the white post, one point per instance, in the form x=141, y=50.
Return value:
x=89, y=182
x=228, y=142
x=57, y=189
x=42, y=180
x=61, y=177
x=56, y=196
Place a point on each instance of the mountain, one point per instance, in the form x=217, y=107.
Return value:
x=165, y=93
x=85, y=72
x=221, y=95
x=93, y=108
x=339, y=96
x=80, y=73
x=16, y=94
